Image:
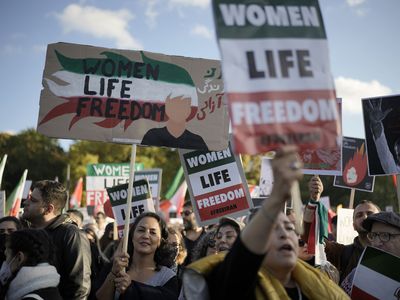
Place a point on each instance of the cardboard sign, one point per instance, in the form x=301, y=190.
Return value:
x=377, y=276
x=345, y=232
x=266, y=177
x=99, y=177
x=123, y=96
x=277, y=76
x=382, y=132
x=355, y=166
x=153, y=177
x=217, y=185
x=141, y=201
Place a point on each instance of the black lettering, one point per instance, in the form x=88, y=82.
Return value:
x=109, y=107
x=135, y=110
x=102, y=84
x=304, y=63
x=108, y=67
x=122, y=109
x=86, y=90
x=111, y=86
x=137, y=70
x=285, y=63
x=269, y=56
x=203, y=182
x=81, y=104
x=158, y=110
x=146, y=110
x=91, y=69
x=124, y=68
x=225, y=175
x=152, y=72
x=125, y=88
x=253, y=72
x=95, y=107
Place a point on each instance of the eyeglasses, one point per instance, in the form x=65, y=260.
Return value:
x=187, y=213
x=383, y=236
x=301, y=243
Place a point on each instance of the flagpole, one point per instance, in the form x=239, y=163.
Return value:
x=352, y=194
x=129, y=200
x=2, y=166
x=67, y=186
x=398, y=190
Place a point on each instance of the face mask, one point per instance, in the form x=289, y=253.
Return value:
x=5, y=271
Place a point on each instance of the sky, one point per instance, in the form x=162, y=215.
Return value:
x=362, y=35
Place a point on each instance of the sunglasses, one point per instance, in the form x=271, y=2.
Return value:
x=187, y=213
x=301, y=243
x=211, y=243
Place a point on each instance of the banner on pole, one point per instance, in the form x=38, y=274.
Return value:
x=276, y=73
x=217, y=185
x=132, y=97
x=355, y=166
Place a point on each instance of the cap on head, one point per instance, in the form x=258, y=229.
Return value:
x=385, y=217
x=237, y=225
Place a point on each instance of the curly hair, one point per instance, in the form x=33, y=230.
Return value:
x=34, y=243
x=163, y=255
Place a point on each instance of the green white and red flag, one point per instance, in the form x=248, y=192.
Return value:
x=13, y=204
x=277, y=77
x=76, y=197
x=2, y=166
x=377, y=276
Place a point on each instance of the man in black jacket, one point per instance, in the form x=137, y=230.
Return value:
x=43, y=209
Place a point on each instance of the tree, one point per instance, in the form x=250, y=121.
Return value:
x=42, y=156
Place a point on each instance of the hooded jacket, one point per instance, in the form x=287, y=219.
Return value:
x=72, y=257
x=33, y=282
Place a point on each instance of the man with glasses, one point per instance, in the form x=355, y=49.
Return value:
x=192, y=232
x=43, y=210
x=343, y=257
x=384, y=233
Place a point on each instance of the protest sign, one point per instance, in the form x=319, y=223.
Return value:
x=276, y=74
x=324, y=160
x=217, y=185
x=266, y=177
x=133, y=97
x=382, y=132
x=153, y=176
x=141, y=201
x=345, y=232
x=355, y=166
x=99, y=177
x=377, y=276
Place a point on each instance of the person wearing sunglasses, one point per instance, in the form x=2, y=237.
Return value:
x=192, y=232
x=384, y=233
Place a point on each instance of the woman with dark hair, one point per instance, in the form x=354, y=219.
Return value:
x=143, y=272
x=26, y=272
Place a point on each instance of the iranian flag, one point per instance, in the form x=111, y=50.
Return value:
x=13, y=204
x=76, y=197
x=2, y=166
x=377, y=276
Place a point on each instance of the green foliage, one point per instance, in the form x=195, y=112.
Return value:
x=42, y=156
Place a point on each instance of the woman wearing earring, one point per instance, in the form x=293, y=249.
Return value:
x=143, y=272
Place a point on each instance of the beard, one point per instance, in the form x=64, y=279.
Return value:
x=188, y=224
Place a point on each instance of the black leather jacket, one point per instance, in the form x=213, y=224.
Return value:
x=72, y=257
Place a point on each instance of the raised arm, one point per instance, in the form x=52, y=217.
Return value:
x=286, y=167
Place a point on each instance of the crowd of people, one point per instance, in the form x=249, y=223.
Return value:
x=48, y=254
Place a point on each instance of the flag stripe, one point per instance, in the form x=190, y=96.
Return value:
x=360, y=294
x=374, y=283
x=378, y=261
